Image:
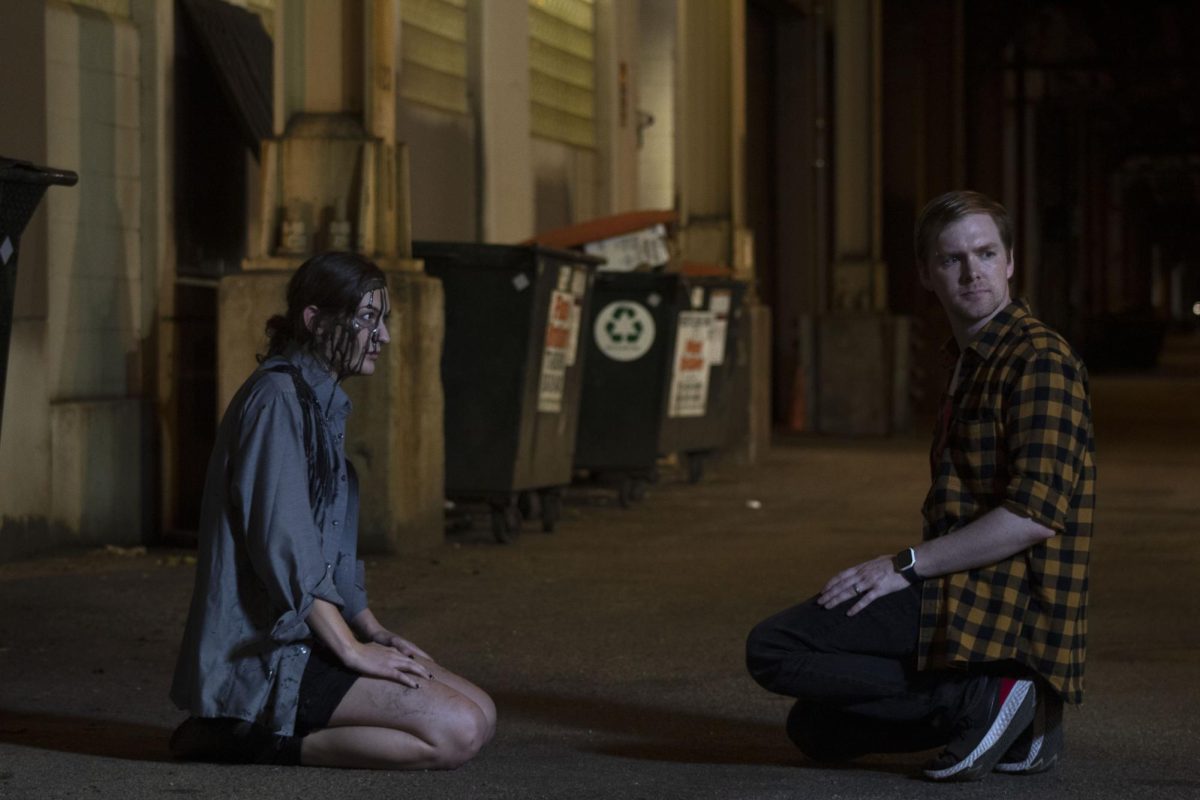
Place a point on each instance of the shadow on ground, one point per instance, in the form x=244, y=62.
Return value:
x=647, y=733
x=94, y=737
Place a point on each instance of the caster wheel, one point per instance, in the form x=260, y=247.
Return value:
x=506, y=523
x=551, y=510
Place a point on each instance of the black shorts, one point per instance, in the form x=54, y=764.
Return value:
x=326, y=681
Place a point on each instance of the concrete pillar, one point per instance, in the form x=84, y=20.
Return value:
x=335, y=150
x=703, y=130
x=860, y=369
x=156, y=24
x=617, y=103
x=710, y=132
x=656, y=86
x=858, y=272
x=499, y=88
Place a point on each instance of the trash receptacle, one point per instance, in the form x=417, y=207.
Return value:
x=658, y=375
x=21, y=188
x=699, y=411
x=511, y=370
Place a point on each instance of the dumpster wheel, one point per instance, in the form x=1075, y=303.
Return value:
x=530, y=504
x=631, y=489
x=551, y=502
x=506, y=521
x=695, y=466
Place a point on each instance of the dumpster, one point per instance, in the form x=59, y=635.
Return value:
x=511, y=373
x=21, y=188
x=658, y=375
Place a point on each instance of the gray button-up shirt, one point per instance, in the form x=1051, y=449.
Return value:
x=262, y=558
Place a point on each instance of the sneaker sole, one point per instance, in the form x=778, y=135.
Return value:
x=1013, y=718
x=1045, y=748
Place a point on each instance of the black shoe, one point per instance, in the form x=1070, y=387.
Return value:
x=1005, y=712
x=232, y=741
x=1037, y=749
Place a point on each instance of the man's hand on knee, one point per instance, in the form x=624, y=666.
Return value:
x=867, y=581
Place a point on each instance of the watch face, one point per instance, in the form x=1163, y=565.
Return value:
x=904, y=560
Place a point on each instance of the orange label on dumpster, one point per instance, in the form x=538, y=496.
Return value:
x=689, y=371
x=555, y=355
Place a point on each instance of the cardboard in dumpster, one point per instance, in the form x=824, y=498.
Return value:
x=643, y=249
x=634, y=240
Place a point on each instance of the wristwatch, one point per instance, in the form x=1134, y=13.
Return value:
x=905, y=562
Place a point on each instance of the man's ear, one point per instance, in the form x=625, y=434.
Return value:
x=310, y=316
x=923, y=275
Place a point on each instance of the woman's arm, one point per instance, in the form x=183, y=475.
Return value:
x=367, y=627
x=369, y=658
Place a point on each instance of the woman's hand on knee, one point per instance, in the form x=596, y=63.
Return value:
x=397, y=642
x=380, y=661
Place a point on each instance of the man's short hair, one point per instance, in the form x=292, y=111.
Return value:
x=951, y=207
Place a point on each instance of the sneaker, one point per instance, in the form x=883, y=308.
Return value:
x=232, y=741
x=971, y=755
x=1038, y=748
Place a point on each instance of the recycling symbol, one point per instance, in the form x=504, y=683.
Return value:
x=624, y=325
x=624, y=330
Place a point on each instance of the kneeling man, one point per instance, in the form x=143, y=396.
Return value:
x=974, y=638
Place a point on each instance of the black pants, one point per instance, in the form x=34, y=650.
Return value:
x=855, y=680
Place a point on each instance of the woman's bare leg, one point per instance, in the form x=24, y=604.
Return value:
x=384, y=725
x=465, y=687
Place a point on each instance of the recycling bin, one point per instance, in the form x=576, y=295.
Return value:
x=658, y=375
x=698, y=416
x=511, y=374
x=21, y=188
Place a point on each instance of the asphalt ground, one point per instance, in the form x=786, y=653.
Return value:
x=613, y=647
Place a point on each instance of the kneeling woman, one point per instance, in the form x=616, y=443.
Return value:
x=282, y=661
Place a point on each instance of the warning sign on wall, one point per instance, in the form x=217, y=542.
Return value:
x=689, y=371
x=556, y=356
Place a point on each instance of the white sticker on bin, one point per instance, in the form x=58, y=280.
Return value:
x=520, y=281
x=579, y=282
x=555, y=355
x=689, y=372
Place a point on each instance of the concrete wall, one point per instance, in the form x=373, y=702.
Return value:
x=499, y=88
x=74, y=443
x=442, y=147
x=565, y=184
x=25, y=434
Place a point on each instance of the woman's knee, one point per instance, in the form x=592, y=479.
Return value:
x=460, y=731
x=488, y=708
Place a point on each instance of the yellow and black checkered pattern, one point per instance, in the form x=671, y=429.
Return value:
x=1019, y=436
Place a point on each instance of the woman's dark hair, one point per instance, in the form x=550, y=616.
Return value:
x=335, y=283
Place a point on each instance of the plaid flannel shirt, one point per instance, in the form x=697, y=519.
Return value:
x=1018, y=434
